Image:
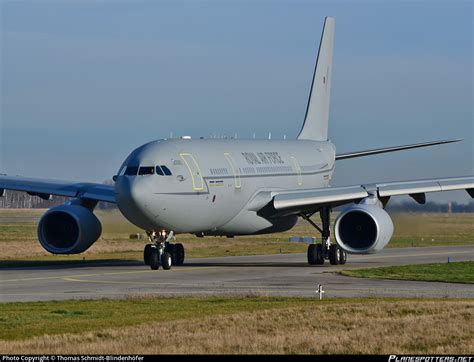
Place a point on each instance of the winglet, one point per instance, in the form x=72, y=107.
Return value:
x=315, y=126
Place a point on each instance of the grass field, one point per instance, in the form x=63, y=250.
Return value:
x=19, y=243
x=459, y=272
x=242, y=325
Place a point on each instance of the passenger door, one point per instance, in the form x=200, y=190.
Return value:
x=194, y=171
x=235, y=170
x=297, y=168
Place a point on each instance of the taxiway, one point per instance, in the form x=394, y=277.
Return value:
x=276, y=275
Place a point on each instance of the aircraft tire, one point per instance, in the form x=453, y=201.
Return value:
x=312, y=254
x=342, y=257
x=172, y=250
x=315, y=254
x=154, y=259
x=166, y=261
x=334, y=254
x=147, y=253
x=180, y=254
x=319, y=253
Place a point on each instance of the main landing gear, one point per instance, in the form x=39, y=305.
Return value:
x=318, y=253
x=160, y=251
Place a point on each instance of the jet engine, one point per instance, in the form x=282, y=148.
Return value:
x=363, y=229
x=68, y=229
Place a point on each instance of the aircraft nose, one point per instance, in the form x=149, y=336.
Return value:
x=132, y=201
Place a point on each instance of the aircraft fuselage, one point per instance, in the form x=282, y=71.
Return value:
x=215, y=187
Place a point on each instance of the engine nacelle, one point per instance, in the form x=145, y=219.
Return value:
x=363, y=229
x=68, y=229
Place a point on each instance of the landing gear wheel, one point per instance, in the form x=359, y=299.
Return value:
x=312, y=254
x=334, y=254
x=154, y=259
x=320, y=254
x=342, y=257
x=147, y=253
x=166, y=260
x=315, y=254
x=171, y=249
x=179, y=250
x=177, y=253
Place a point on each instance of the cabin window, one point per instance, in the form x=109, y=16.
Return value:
x=146, y=170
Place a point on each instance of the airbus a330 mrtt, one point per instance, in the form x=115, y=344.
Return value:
x=236, y=187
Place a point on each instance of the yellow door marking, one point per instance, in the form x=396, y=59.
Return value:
x=297, y=168
x=235, y=170
x=197, y=186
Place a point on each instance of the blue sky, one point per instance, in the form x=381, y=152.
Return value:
x=85, y=82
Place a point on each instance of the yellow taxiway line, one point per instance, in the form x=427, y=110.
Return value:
x=98, y=274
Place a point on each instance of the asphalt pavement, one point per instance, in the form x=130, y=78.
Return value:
x=275, y=275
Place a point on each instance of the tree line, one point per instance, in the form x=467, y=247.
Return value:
x=430, y=206
x=21, y=200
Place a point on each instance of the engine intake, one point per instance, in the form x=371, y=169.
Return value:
x=68, y=229
x=363, y=229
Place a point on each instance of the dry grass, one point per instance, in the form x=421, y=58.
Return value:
x=434, y=327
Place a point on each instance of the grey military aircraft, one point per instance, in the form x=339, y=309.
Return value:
x=231, y=187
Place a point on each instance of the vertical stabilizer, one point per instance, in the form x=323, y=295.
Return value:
x=315, y=126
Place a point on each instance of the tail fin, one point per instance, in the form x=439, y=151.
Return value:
x=315, y=126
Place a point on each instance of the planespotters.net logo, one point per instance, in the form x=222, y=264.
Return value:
x=395, y=358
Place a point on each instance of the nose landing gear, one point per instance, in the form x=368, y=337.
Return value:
x=160, y=251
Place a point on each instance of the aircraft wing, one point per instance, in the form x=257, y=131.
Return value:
x=46, y=188
x=293, y=202
x=376, y=151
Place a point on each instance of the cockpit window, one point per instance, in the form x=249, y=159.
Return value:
x=146, y=170
x=166, y=170
x=131, y=171
x=159, y=171
x=163, y=170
